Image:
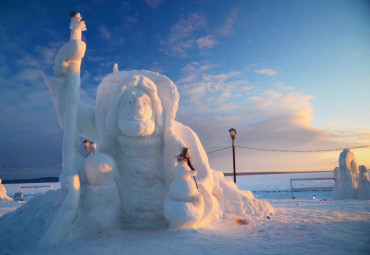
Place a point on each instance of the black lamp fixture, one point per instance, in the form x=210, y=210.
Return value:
x=233, y=135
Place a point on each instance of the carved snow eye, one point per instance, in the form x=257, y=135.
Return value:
x=129, y=102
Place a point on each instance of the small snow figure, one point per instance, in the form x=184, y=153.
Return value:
x=184, y=206
x=115, y=68
x=184, y=156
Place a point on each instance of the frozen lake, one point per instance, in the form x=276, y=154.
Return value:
x=275, y=186
x=270, y=186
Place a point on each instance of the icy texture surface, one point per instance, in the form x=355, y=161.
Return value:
x=352, y=182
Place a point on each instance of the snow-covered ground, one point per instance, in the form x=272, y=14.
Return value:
x=301, y=225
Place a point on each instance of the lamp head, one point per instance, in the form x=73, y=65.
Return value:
x=232, y=133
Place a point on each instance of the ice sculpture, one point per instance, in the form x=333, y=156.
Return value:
x=132, y=180
x=351, y=181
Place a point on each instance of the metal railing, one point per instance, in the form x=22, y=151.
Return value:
x=309, y=188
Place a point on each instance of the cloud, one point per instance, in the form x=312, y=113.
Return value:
x=211, y=103
x=183, y=35
x=125, y=5
x=206, y=42
x=30, y=133
x=267, y=71
x=228, y=27
x=29, y=74
x=48, y=52
x=281, y=86
x=198, y=84
x=153, y=3
x=104, y=32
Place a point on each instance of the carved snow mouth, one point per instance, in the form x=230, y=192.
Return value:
x=139, y=117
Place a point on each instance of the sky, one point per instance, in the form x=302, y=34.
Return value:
x=285, y=74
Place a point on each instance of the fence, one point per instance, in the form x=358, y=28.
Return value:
x=309, y=188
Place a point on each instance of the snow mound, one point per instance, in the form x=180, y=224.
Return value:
x=3, y=196
x=237, y=202
x=26, y=225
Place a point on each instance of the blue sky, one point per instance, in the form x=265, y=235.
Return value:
x=285, y=74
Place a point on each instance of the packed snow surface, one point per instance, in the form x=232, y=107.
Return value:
x=321, y=226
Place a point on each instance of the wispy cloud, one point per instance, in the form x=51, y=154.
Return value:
x=105, y=32
x=182, y=36
x=153, y=3
x=30, y=126
x=228, y=27
x=282, y=86
x=126, y=6
x=206, y=42
x=198, y=84
x=267, y=71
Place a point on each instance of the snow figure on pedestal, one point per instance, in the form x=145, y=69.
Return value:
x=363, y=184
x=131, y=181
x=3, y=196
x=183, y=192
x=351, y=182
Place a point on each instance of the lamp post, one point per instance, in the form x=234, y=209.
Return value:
x=233, y=134
x=87, y=144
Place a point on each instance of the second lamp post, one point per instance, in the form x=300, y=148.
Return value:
x=233, y=134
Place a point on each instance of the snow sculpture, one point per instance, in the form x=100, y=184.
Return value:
x=363, y=184
x=351, y=181
x=3, y=196
x=184, y=206
x=132, y=181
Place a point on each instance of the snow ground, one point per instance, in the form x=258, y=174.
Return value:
x=300, y=225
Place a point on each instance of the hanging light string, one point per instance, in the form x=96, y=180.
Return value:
x=210, y=152
x=32, y=167
x=301, y=151
x=219, y=150
x=288, y=150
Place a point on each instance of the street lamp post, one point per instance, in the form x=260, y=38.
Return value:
x=87, y=144
x=233, y=134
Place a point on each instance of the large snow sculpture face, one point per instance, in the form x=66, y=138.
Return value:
x=135, y=113
x=129, y=105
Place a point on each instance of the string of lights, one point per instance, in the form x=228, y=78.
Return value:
x=219, y=150
x=32, y=167
x=210, y=152
x=301, y=151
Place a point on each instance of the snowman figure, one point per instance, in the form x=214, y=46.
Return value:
x=184, y=205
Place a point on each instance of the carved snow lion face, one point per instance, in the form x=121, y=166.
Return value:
x=135, y=113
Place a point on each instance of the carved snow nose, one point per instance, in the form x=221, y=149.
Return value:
x=139, y=106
